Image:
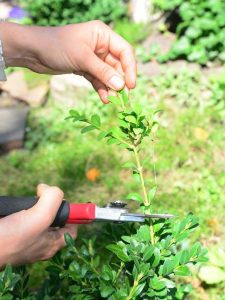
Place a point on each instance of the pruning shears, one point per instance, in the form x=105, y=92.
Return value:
x=79, y=213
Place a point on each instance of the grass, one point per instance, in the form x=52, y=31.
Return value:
x=185, y=159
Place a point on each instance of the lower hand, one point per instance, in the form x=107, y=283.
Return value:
x=26, y=237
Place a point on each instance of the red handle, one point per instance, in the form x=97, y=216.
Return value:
x=82, y=213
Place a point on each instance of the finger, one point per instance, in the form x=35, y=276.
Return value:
x=42, y=214
x=103, y=72
x=51, y=241
x=114, y=62
x=121, y=49
x=100, y=88
x=59, y=238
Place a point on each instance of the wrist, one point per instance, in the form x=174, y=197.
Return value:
x=19, y=44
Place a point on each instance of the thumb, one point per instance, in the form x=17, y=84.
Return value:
x=44, y=211
x=103, y=72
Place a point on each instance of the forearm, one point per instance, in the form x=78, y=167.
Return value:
x=20, y=44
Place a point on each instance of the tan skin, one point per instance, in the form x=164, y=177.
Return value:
x=89, y=49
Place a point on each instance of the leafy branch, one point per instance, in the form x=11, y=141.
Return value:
x=132, y=128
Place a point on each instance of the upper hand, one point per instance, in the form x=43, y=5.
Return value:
x=90, y=49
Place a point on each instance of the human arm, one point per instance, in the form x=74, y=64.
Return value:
x=90, y=49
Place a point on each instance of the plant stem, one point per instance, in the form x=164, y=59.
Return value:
x=121, y=101
x=146, y=201
x=140, y=170
x=132, y=290
x=118, y=273
x=87, y=263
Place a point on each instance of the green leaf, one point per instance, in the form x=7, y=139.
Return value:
x=74, y=267
x=131, y=119
x=161, y=294
x=137, y=108
x=137, y=177
x=106, y=290
x=211, y=274
x=95, y=121
x=128, y=165
x=79, y=118
x=157, y=284
x=155, y=259
x=88, y=128
x=102, y=135
x=195, y=249
x=112, y=141
x=193, y=32
x=73, y=113
x=138, y=290
x=68, y=239
x=134, y=196
x=148, y=253
x=114, y=99
x=117, y=132
x=143, y=233
x=185, y=257
x=96, y=261
x=107, y=273
x=119, y=250
x=124, y=96
x=181, y=46
x=182, y=271
x=123, y=123
x=151, y=193
x=168, y=267
x=138, y=131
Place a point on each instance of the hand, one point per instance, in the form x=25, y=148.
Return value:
x=25, y=237
x=90, y=49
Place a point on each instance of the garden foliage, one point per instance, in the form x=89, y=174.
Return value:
x=54, y=12
x=200, y=30
x=122, y=262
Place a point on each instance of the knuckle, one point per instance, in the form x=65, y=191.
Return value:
x=104, y=72
x=98, y=23
x=57, y=190
x=46, y=256
x=49, y=254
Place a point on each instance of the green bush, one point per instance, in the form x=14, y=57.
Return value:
x=200, y=31
x=61, y=12
x=130, y=262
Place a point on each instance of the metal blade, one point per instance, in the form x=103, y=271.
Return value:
x=128, y=216
x=159, y=216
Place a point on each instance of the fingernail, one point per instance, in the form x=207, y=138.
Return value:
x=116, y=83
x=112, y=93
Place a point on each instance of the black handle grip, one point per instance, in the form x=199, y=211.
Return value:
x=10, y=205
